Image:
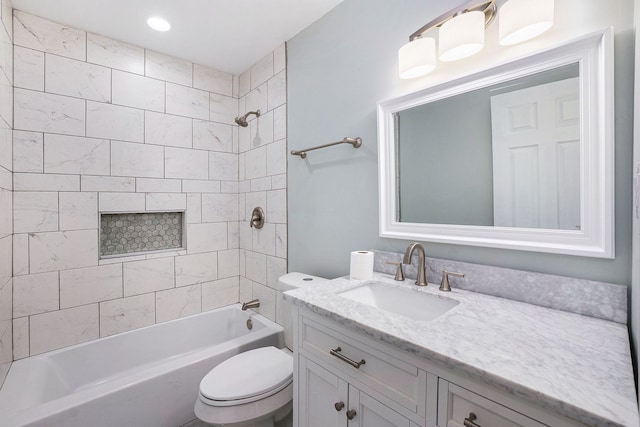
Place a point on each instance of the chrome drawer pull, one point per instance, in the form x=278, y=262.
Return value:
x=339, y=406
x=351, y=413
x=336, y=352
x=469, y=421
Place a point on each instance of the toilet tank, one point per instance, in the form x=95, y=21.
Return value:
x=287, y=282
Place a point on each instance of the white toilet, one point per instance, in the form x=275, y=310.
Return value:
x=254, y=388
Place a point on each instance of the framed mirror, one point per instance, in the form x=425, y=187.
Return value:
x=519, y=156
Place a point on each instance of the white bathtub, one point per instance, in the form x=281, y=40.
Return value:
x=146, y=377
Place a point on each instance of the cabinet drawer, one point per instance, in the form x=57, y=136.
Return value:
x=397, y=380
x=455, y=404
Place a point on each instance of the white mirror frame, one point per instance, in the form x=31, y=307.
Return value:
x=594, y=53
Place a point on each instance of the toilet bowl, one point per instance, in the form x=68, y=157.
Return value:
x=254, y=388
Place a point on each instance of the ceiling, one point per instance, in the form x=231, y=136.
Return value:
x=228, y=35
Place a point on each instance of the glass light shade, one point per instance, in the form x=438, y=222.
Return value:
x=158, y=24
x=417, y=58
x=462, y=36
x=521, y=20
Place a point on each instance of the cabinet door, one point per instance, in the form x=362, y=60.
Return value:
x=371, y=413
x=319, y=393
x=457, y=405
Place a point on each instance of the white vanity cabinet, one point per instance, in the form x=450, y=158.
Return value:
x=327, y=400
x=375, y=385
x=346, y=379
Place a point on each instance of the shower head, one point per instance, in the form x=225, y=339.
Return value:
x=242, y=120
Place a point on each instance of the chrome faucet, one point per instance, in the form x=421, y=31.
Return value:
x=421, y=280
x=254, y=303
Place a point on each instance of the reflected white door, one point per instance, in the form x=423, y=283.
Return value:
x=536, y=156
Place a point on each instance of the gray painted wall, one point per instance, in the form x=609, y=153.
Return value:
x=342, y=65
x=446, y=173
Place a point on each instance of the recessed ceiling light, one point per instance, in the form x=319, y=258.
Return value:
x=158, y=24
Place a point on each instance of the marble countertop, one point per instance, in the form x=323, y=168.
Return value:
x=577, y=366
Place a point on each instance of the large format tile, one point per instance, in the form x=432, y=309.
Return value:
x=77, y=78
x=35, y=293
x=115, y=122
x=262, y=71
x=121, y=202
x=28, y=152
x=35, y=211
x=277, y=90
x=197, y=268
x=223, y=166
x=62, y=250
x=114, y=54
x=20, y=254
x=256, y=267
x=212, y=136
x=223, y=109
x=176, y=303
x=167, y=68
x=264, y=240
x=228, y=263
x=137, y=91
x=137, y=160
x=277, y=206
x=41, y=34
x=78, y=211
x=256, y=163
x=166, y=129
x=277, y=158
x=20, y=338
x=212, y=80
x=194, y=208
x=206, y=237
x=155, y=185
x=219, y=207
x=28, y=68
x=6, y=210
x=63, y=328
x=267, y=297
x=6, y=145
x=141, y=277
x=45, y=182
x=107, y=183
x=220, y=293
x=185, y=163
x=90, y=285
x=44, y=112
x=75, y=155
x=125, y=314
x=166, y=202
x=186, y=101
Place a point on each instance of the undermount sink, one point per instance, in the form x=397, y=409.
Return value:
x=406, y=302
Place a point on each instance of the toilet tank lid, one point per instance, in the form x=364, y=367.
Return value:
x=295, y=280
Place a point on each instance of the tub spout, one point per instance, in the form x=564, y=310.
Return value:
x=254, y=303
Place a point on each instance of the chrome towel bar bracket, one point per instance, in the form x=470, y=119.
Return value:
x=356, y=142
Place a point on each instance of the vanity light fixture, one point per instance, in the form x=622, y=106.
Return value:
x=158, y=23
x=461, y=32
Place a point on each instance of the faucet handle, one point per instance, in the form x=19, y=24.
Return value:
x=399, y=273
x=444, y=284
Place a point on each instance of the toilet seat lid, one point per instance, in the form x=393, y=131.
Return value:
x=248, y=374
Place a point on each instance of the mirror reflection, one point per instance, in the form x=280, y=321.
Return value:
x=506, y=155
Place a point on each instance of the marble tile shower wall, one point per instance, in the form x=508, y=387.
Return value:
x=6, y=187
x=103, y=126
x=263, y=182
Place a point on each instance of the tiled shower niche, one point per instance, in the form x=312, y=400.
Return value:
x=133, y=233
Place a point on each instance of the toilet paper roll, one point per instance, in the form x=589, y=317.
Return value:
x=361, y=265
